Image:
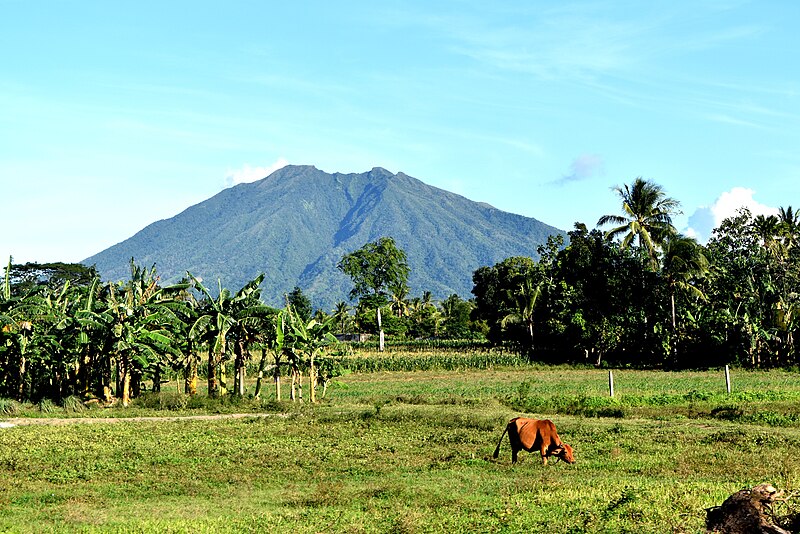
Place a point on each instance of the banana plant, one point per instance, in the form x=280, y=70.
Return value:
x=139, y=327
x=227, y=318
x=273, y=342
x=310, y=338
x=17, y=316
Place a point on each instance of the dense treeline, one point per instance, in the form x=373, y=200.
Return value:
x=653, y=297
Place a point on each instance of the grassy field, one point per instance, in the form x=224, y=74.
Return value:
x=412, y=452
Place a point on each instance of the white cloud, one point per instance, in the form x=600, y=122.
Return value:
x=705, y=218
x=249, y=174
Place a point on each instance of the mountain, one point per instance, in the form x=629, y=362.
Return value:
x=297, y=223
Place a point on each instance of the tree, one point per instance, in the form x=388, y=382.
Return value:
x=767, y=229
x=273, y=340
x=17, y=316
x=342, y=315
x=741, y=289
x=682, y=267
x=683, y=264
x=496, y=291
x=399, y=295
x=250, y=317
x=424, y=317
x=789, y=226
x=456, y=317
x=27, y=277
x=526, y=296
x=300, y=303
x=647, y=216
x=374, y=269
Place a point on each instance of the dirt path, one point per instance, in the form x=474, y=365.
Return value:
x=54, y=421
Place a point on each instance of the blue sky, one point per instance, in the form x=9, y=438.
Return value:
x=117, y=114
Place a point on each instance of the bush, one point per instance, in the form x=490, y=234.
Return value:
x=47, y=406
x=10, y=407
x=73, y=404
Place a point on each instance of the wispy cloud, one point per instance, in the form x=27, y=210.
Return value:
x=622, y=53
x=583, y=167
x=250, y=174
x=733, y=121
x=551, y=45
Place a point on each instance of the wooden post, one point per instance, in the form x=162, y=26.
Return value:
x=610, y=383
x=727, y=379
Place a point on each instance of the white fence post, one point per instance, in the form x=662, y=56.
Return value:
x=610, y=383
x=727, y=379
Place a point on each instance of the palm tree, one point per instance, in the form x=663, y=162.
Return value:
x=789, y=226
x=342, y=315
x=185, y=309
x=399, y=295
x=17, y=315
x=57, y=344
x=767, y=228
x=427, y=300
x=96, y=322
x=683, y=263
x=309, y=338
x=647, y=216
x=526, y=297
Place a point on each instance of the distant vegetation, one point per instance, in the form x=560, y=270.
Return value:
x=653, y=297
x=637, y=295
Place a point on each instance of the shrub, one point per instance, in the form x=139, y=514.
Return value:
x=73, y=404
x=47, y=406
x=10, y=407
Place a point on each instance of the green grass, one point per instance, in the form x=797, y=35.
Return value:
x=412, y=452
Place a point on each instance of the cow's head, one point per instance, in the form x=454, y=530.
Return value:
x=564, y=452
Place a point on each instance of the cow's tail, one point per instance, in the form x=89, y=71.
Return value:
x=497, y=450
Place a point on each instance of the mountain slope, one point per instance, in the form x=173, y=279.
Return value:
x=296, y=224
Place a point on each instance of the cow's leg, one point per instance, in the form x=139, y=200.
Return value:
x=516, y=442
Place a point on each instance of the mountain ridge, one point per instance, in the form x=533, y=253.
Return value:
x=297, y=223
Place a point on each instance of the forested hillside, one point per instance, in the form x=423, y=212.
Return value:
x=296, y=224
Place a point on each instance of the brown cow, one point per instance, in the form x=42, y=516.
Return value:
x=535, y=434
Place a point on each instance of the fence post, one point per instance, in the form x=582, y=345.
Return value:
x=727, y=379
x=610, y=383
x=380, y=328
